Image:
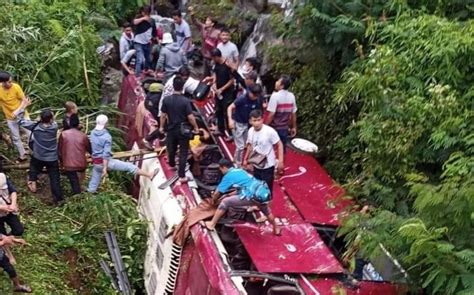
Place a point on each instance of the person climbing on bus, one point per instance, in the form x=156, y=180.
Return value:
x=171, y=57
x=177, y=116
x=238, y=117
x=11, y=98
x=248, y=192
x=128, y=61
x=260, y=155
x=282, y=110
x=126, y=40
x=7, y=266
x=183, y=32
x=101, y=143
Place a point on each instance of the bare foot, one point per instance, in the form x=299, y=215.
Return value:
x=183, y=180
x=209, y=225
x=277, y=231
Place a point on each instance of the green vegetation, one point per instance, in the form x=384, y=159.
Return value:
x=50, y=47
x=66, y=243
x=388, y=87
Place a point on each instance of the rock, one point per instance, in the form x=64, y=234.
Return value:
x=110, y=86
x=255, y=44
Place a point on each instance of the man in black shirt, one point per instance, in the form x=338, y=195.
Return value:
x=176, y=110
x=223, y=85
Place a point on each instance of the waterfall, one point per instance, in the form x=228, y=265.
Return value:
x=250, y=47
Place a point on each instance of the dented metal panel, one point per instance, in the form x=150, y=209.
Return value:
x=298, y=250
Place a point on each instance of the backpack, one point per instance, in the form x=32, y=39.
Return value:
x=258, y=190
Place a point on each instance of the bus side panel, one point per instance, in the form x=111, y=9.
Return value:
x=192, y=280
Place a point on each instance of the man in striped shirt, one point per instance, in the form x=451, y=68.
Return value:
x=282, y=110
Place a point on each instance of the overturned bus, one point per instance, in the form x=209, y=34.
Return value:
x=243, y=256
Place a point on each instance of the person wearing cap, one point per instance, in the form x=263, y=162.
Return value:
x=101, y=143
x=171, y=57
x=45, y=151
x=73, y=146
x=11, y=98
x=9, y=208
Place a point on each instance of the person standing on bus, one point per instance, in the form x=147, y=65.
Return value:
x=145, y=30
x=177, y=111
x=260, y=154
x=183, y=32
x=171, y=57
x=282, y=110
x=238, y=117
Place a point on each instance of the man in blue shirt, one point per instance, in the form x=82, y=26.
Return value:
x=236, y=179
x=238, y=117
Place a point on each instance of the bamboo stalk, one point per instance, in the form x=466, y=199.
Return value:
x=116, y=155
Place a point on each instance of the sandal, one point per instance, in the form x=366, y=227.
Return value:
x=22, y=289
x=32, y=186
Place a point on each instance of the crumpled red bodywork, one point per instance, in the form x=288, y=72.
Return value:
x=300, y=199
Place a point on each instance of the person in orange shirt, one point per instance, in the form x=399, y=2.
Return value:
x=11, y=97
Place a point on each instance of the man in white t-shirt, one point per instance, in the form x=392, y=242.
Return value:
x=261, y=140
x=183, y=31
x=229, y=50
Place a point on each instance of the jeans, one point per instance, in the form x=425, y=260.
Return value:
x=240, y=138
x=16, y=138
x=283, y=134
x=221, y=110
x=267, y=175
x=113, y=165
x=143, y=59
x=13, y=221
x=74, y=181
x=175, y=139
x=36, y=166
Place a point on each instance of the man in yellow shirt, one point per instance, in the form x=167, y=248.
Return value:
x=11, y=96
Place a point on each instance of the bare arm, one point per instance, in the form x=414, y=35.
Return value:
x=230, y=111
x=293, y=125
x=163, y=118
x=269, y=119
x=192, y=121
x=280, y=154
x=227, y=85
